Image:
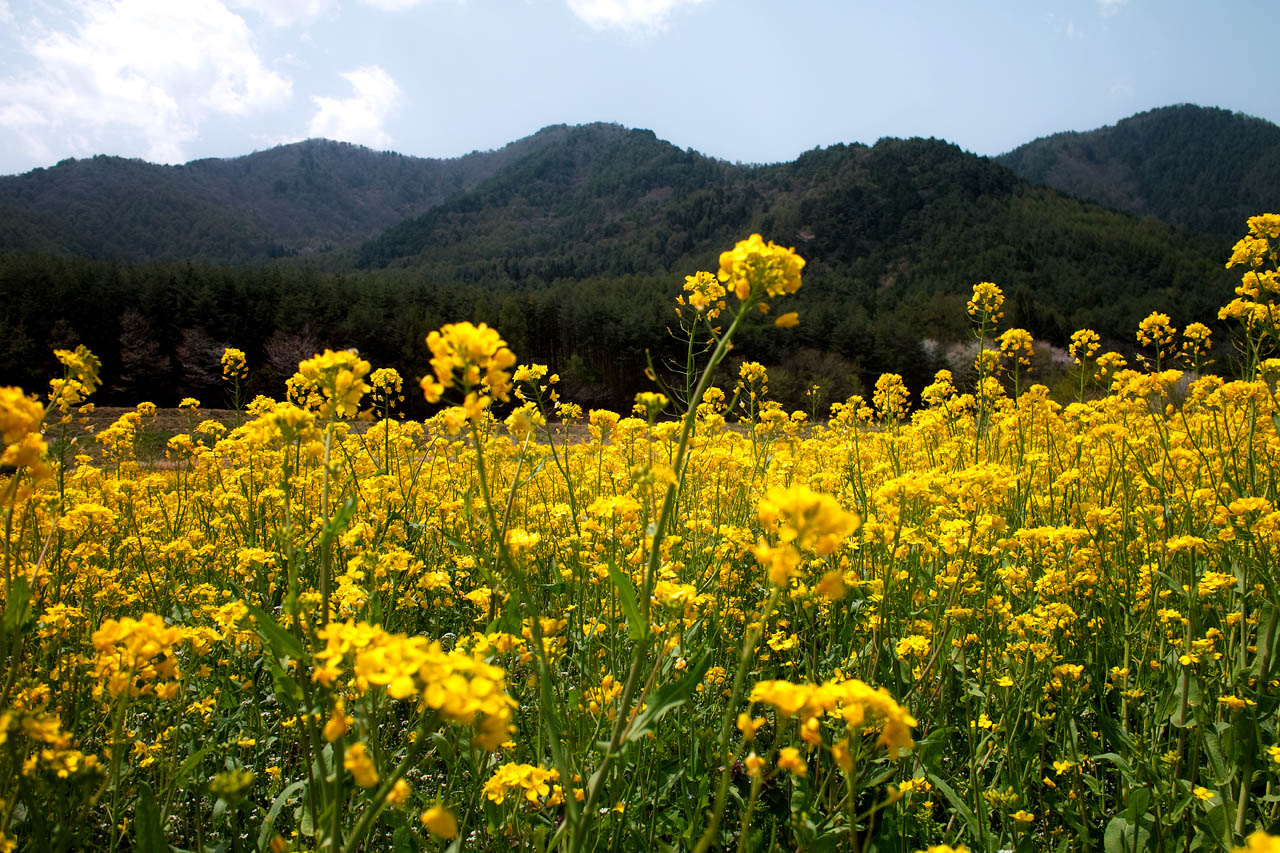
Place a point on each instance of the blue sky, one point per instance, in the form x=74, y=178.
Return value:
x=744, y=80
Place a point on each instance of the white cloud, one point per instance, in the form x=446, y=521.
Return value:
x=643, y=15
x=394, y=5
x=5, y=15
x=359, y=118
x=1107, y=8
x=284, y=13
x=138, y=76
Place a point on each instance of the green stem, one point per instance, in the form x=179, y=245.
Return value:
x=727, y=719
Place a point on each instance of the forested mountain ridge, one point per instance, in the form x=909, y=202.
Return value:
x=297, y=198
x=644, y=203
x=1201, y=168
x=909, y=222
x=601, y=200
x=573, y=242
x=577, y=250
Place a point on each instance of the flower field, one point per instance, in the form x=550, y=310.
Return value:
x=983, y=618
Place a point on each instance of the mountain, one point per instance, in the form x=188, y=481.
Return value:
x=1205, y=169
x=602, y=199
x=296, y=198
x=573, y=242
x=911, y=221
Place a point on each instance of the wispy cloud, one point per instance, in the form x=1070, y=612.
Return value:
x=396, y=5
x=287, y=13
x=359, y=118
x=1107, y=8
x=647, y=16
x=138, y=77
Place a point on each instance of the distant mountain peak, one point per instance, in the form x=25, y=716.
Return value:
x=1202, y=168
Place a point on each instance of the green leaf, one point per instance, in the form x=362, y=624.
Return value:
x=627, y=597
x=16, y=610
x=281, y=641
x=1217, y=820
x=1114, y=735
x=148, y=834
x=1116, y=837
x=191, y=763
x=668, y=696
x=287, y=689
x=1213, y=748
x=264, y=834
x=1117, y=760
x=961, y=807
x=443, y=746
x=338, y=522
x=302, y=814
x=1137, y=804
x=402, y=840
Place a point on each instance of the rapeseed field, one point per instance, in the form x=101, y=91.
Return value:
x=981, y=619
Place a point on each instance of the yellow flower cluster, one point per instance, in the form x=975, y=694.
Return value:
x=809, y=520
x=802, y=520
x=234, y=364
x=24, y=447
x=360, y=764
x=890, y=397
x=1260, y=842
x=536, y=783
x=462, y=688
x=387, y=386
x=856, y=703
x=1015, y=344
x=754, y=269
x=986, y=301
x=440, y=822
x=136, y=657
x=473, y=357
x=80, y=381
x=49, y=747
x=706, y=294
x=340, y=377
x=1084, y=344
x=1156, y=331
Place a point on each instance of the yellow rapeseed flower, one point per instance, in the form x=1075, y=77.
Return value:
x=360, y=763
x=754, y=269
x=440, y=822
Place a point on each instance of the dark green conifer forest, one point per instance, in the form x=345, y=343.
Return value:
x=575, y=241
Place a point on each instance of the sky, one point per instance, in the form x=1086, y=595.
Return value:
x=751, y=81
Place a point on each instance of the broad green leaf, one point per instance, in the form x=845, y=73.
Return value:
x=16, y=609
x=1137, y=804
x=443, y=746
x=148, y=833
x=668, y=696
x=1117, y=835
x=627, y=598
x=281, y=641
x=338, y=522
x=1117, y=760
x=402, y=840
x=1213, y=748
x=273, y=812
x=961, y=807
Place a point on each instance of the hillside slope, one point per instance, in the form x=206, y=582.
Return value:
x=298, y=198
x=1205, y=169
